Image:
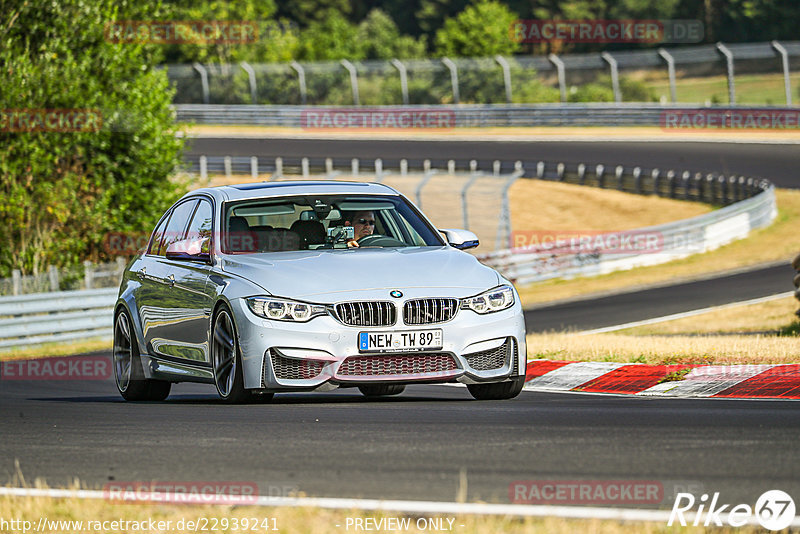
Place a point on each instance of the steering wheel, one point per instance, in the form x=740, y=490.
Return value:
x=379, y=240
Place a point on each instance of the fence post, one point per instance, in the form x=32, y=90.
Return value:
x=304, y=166
x=540, y=170
x=671, y=72
x=203, y=81
x=655, y=174
x=562, y=78
x=88, y=274
x=685, y=181
x=251, y=74
x=560, y=172
x=506, y=75
x=671, y=183
x=203, y=167
x=16, y=279
x=451, y=167
x=612, y=63
x=496, y=167
x=301, y=80
x=379, y=170
x=581, y=174
x=453, y=77
x=787, y=86
x=403, y=79
x=618, y=173
x=52, y=273
x=329, y=167
x=254, y=167
x=403, y=167
x=637, y=180
x=228, y=166
x=353, y=79
x=599, y=173
x=354, y=166
x=729, y=62
x=278, y=168
x=473, y=166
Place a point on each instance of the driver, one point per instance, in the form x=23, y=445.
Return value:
x=363, y=223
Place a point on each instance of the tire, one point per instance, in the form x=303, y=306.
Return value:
x=226, y=359
x=128, y=372
x=381, y=390
x=497, y=390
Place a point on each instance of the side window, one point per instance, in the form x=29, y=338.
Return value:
x=201, y=223
x=176, y=228
x=158, y=236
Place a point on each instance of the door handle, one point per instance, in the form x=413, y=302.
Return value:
x=171, y=280
x=141, y=273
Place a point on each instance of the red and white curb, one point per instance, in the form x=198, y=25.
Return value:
x=781, y=381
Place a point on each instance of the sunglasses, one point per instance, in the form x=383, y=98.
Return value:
x=370, y=222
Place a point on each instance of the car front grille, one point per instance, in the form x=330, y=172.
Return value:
x=293, y=369
x=495, y=358
x=398, y=364
x=366, y=313
x=429, y=310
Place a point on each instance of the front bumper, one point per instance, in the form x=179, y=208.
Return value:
x=323, y=353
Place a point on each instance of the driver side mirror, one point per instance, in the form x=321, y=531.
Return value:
x=190, y=250
x=460, y=239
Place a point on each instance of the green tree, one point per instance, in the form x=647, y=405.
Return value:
x=480, y=30
x=382, y=40
x=64, y=191
x=332, y=37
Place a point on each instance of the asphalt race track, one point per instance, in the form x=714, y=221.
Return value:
x=777, y=163
x=410, y=447
x=660, y=301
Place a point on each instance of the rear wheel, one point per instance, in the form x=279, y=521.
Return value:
x=226, y=359
x=381, y=390
x=128, y=372
x=497, y=390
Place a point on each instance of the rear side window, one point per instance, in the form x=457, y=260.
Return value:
x=158, y=236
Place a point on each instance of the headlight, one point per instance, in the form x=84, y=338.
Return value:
x=284, y=309
x=490, y=301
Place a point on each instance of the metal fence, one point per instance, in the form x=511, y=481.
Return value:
x=517, y=79
x=56, y=316
x=86, y=276
x=503, y=115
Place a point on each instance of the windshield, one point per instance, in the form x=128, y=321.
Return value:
x=324, y=222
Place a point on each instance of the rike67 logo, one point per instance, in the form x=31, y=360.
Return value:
x=774, y=510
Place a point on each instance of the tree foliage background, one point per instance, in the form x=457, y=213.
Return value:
x=63, y=191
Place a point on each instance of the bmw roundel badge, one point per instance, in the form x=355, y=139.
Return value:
x=396, y=294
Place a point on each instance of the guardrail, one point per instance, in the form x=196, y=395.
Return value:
x=54, y=317
x=481, y=115
x=796, y=265
x=604, y=252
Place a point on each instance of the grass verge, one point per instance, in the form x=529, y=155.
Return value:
x=46, y=350
x=289, y=520
x=776, y=242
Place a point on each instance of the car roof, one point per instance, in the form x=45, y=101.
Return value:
x=296, y=187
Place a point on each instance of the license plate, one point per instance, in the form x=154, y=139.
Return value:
x=408, y=340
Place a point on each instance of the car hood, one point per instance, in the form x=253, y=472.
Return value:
x=327, y=276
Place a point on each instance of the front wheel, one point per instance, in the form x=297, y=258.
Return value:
x=497, y=390
x=226, y=359
x=128, y=372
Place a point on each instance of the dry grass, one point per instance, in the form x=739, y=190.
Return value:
x=56, y=349
x=654, y=350
x=776, y=242
x=295, y=520
x=775, y=315
x=541, y=206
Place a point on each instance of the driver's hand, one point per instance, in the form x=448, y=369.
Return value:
x=352, y=244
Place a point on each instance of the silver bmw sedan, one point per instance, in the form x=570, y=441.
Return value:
x=311, y=286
